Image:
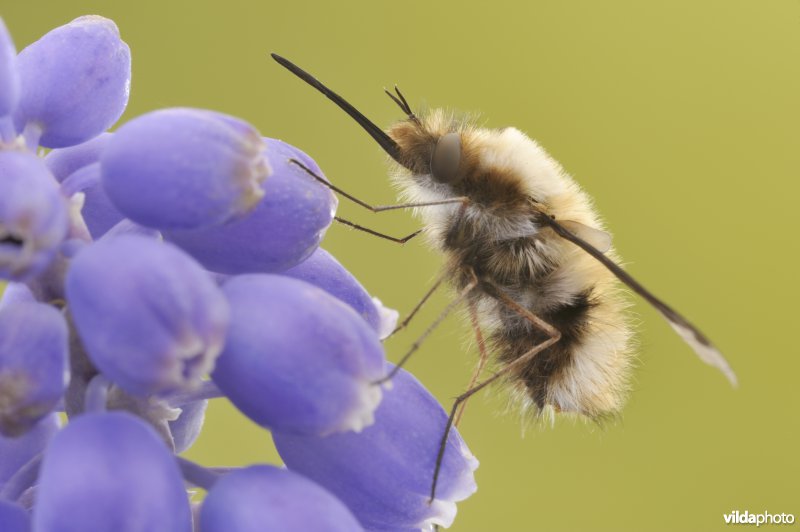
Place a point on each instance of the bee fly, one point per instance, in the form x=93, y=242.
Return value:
x=526, y=252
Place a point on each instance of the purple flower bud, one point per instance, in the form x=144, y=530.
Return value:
x=297, y=359
x=15, y=293
x=149, y=317
x=323, y=270
x=33, y=215
x=127, y=227
x=187, y=427
x=16, y=452
x=264, y=497
x=110, y=472
x=64, y=162
x=283, y=230
x=287, y=150
x=184, y=168
x=13, y=518
x=9, y=79
x=33, y=364
x=75, y=81
x=97, y=211
x=384, y=473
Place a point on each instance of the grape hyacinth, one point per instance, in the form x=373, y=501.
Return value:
x=389, y=462
x=74, y=83
x=33, y=364
x=268, y=498
x=337, y=364
x=172, y=262
x=252, y=243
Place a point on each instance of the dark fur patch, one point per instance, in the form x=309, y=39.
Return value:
x=497, y=191
x=505, y=262
x=518, y=337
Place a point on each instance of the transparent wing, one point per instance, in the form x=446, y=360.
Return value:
x=690, y=334
x=597, y=238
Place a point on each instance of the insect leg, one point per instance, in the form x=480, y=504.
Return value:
x=447, y=310
x=484, y=357
x=376, y=208
x=422, y=301
x=402, y=240
x=536, y=321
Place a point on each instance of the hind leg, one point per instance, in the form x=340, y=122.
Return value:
x=484, y=357
x=553, y=336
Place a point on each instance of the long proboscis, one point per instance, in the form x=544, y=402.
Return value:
x=690, y=334
x=385, y=141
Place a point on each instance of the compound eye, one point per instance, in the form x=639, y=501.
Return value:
x=446, y=158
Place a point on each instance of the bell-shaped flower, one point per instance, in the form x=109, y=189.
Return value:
x=187, y=427
x=150, y=318
x=98, y=212
x=262, y=497
x=33, y=216
x=77, y=168
x=13, y=518
x=323, y=270
x=298, y=359
x=75, y=82
x=184, y=168
x=384, y=474
x=9, y=83
x=285, y=227
x=64, y=162
x=110, y=472
x=15, y=452
x=14, y=293
x=33, y=364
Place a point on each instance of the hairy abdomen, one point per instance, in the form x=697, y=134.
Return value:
x=587, y=370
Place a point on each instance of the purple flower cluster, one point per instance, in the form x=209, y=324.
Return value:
x=168, y=263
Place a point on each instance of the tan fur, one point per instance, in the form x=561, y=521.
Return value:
x=508, y=178
x=505, y=237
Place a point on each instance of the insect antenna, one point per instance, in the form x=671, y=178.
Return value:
x=380, y=136
x=402, y=103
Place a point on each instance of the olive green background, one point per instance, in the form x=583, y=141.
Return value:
x=680, y=118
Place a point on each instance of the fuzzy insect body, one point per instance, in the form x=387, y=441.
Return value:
x=527, y=250
x=510, y=182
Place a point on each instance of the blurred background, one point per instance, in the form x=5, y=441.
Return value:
x=680, y=118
